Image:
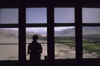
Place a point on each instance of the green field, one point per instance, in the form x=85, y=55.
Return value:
x=64, y=48
x=89, y=44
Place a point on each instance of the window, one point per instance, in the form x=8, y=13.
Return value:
x=65, y=42
x=36, y=15
x=91, y=33
x=91, y=47
x=64, y=15
x=42, y=34
x=63, y=33
x=9, y=35
x=9, y=44
x=8, y=15
x=55, y=18
x=91, y=15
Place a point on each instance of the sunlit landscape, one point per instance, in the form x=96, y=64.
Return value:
x=64, y=43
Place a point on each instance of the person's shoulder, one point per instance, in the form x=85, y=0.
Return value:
x=39, y=43
x=30, y=44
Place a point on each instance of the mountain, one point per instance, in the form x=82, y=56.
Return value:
x=66, y=32
x=92, y=31
x=29, y=34
x=43, y=33
x=87, y=32
x=8, y=33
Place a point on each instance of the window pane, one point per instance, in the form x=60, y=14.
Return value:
x=8, y=44
x=8, y=15
x=91, y=42
x=65, y=42
x=42, y=34
x=64, y=15
x=36, y=15
x=91, y=15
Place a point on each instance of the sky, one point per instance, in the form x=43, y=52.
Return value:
x=64, y=15
x=91, y=15
x=8, y=15
x=39, y=15
x=36, y=15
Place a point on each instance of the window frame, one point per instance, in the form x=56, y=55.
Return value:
x=50, y=21
x=11, y=25
x=90, y=24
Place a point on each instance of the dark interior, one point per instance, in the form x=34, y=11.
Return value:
x=50, y=4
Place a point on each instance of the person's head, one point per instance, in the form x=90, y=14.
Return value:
x=35, y=37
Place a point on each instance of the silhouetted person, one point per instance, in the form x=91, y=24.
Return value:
x=35, y=50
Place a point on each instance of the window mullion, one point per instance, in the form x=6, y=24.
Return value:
x=50, y=31
x=78, y=30
x=22, y=38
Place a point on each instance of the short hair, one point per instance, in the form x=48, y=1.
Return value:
x=35, y=37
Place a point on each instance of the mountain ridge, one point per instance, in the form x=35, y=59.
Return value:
x=87, y=31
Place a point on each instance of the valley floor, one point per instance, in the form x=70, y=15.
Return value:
x=10, y=52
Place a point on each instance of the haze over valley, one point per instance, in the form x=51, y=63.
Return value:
x=87, y=31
